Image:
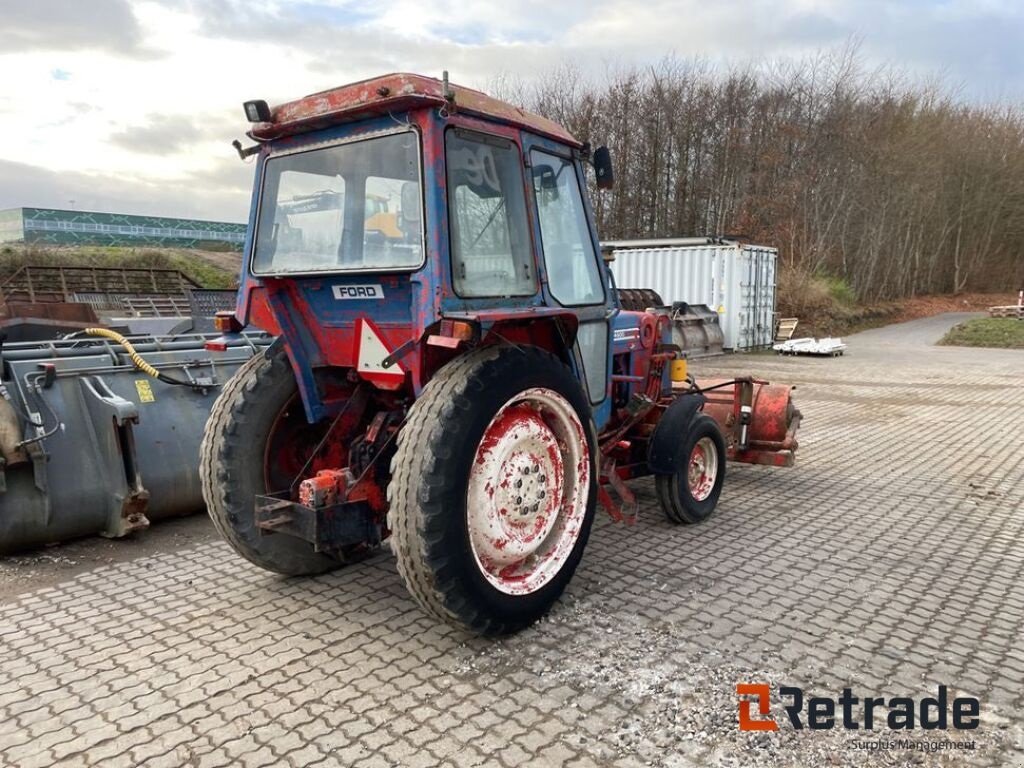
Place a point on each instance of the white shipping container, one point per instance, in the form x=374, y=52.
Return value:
x=735, y=279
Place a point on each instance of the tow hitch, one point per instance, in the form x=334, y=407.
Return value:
x=333, y=528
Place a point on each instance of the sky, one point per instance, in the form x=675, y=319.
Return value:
x=130, y=105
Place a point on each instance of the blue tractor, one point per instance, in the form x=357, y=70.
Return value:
x=460, y=376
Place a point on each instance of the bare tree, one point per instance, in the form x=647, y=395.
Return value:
x=893, y=185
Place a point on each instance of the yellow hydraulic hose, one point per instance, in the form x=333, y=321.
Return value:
x=136, y=358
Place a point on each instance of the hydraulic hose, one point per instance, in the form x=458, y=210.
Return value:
x=135, y=357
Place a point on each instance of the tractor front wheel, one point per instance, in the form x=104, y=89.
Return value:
x=690, y=494
x=493, y=488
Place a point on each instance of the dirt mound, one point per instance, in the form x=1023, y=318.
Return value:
x=210, y=269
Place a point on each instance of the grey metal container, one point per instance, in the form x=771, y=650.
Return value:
x=735, y=279
x=116, y=449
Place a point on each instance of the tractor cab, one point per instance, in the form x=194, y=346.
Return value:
x=408, y=213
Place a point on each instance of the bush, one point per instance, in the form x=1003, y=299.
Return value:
x=801, y=293
x=840, y=290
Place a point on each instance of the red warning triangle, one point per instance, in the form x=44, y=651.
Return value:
x=371, y=349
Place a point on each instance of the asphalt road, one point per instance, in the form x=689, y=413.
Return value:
x=893, y=343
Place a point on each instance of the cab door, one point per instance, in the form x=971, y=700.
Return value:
x=570, y=255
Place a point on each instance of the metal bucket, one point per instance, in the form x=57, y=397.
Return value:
x=696, y=330
x=109, y=449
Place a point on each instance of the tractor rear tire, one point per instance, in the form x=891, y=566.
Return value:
x=690, y=494
x=493, y=488
x=232, y=464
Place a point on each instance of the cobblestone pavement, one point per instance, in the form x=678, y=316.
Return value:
x=890, y=560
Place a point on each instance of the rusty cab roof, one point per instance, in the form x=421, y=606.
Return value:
x=397, y=92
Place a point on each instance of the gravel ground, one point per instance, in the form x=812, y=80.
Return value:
x=681, y=707
x=48, y=566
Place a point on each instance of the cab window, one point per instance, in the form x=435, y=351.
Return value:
x=349, y=207
x=490, y=236
x=569, y=256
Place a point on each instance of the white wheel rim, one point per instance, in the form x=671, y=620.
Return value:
x=702, y=469
x=528, y=490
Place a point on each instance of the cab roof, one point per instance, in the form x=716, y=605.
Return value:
x=397, y=92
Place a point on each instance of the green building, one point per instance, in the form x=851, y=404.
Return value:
x=45, y=226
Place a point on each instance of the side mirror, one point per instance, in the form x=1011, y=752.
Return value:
x=603, y=168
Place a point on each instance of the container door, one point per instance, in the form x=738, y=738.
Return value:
x=757, y=299
x=763, y=297
x=753, y=297
x=750, y=297
x=771, y=265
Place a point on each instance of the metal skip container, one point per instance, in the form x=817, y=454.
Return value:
x=91, y=445
x=735, y=279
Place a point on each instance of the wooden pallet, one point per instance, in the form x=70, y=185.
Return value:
x=786, y=327
x=1012, y=310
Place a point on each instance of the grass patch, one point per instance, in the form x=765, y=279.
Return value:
x=1001, y=332
x=840, y=291
x=201, y=270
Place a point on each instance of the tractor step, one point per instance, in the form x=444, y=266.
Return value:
x=329, y=529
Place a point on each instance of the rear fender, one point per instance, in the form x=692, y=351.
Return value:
x=556, y=334
x=551, y=331
x=668, y=434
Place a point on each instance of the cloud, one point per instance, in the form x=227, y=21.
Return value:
x=69, y=25
x=159, y=135
x=151, y=135
x=284, y=23
x=221, y=192
x=973, y=43
x=977, y=46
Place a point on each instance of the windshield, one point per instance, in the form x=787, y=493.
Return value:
x=350, y=207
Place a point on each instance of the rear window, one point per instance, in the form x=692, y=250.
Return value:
x=346, y=208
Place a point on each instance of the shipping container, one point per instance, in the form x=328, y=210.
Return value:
x=735, y=279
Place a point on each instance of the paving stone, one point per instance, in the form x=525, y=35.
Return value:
x=890, y=559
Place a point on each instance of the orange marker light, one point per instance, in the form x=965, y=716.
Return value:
x=226, y=322
x=462, y=330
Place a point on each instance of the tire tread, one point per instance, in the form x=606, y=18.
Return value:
x=424, y=561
